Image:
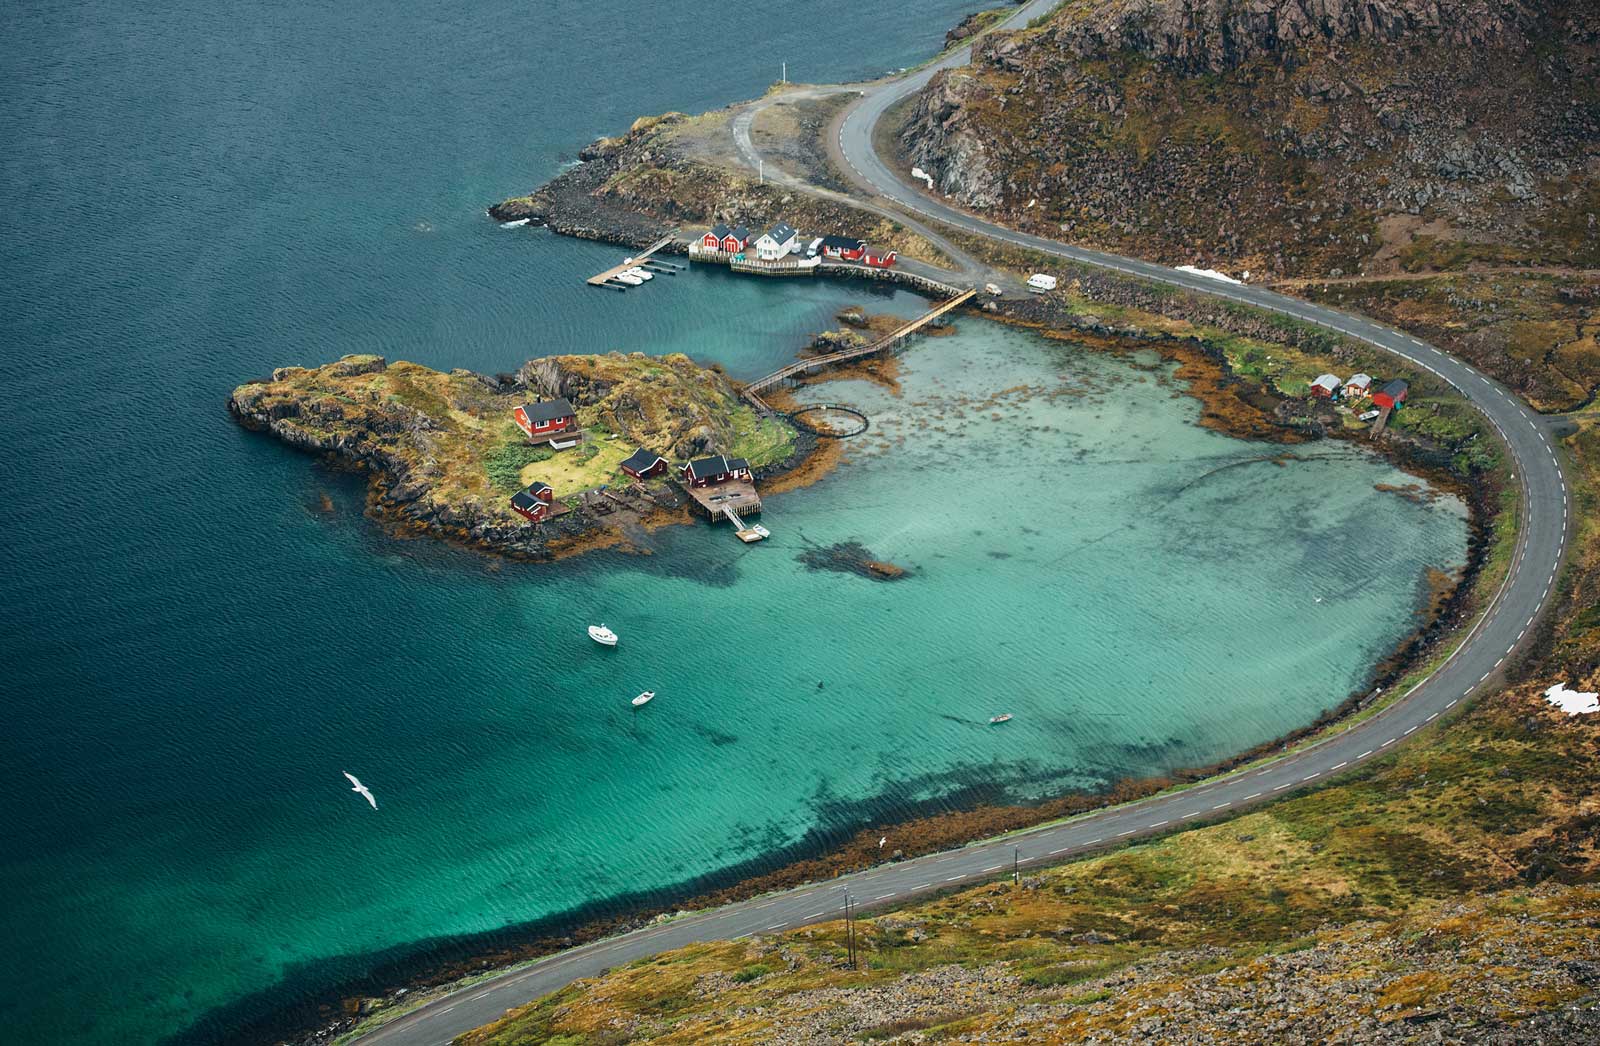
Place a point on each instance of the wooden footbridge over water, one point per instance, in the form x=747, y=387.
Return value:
x=889, y=342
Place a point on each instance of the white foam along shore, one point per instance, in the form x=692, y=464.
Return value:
x=1573, y=702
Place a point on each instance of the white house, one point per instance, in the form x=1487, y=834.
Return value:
x=777, y=242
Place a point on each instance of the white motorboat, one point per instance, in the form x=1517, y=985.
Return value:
x=1003, y=717
x=602, y=635
x=643, y=274
x=629, y=278
x=644, y=698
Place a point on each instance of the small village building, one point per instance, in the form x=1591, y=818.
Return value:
x=877, y=260
x=777, y=242
x=1391, y=395
x=844, y=248
x=642, y=464
x=1326, y=386
x=1359, y=387
x=545, y=418
x=731, y=239
x=533, y=504
x=719, y=469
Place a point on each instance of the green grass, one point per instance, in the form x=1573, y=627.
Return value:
x=505, y=463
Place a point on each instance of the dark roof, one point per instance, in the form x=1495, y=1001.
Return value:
x=781, y=232
x=716, y=466
x=845, y=243
x=547, y=410
x=1395, y=388
x=719, y=230
x=740, y=232
x=525, y=500
x=642, y=460
x=537, y=487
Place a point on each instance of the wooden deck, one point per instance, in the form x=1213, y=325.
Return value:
x=604, y=279
x=738, y=495
x=890, y=341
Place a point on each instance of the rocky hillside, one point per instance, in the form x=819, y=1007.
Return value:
x=444, y=454
x=1285, y=137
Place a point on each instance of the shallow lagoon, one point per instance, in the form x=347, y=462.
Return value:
x=195, y=651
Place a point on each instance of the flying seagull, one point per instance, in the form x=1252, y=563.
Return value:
x=363, y=789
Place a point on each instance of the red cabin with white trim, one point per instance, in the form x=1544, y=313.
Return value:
x=533, y=504
x=545, y=418
x=708, y=472
x=878, y=261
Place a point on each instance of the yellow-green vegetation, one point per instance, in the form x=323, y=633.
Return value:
x=444, y=448
x=1537, y=332
x=1362, y=881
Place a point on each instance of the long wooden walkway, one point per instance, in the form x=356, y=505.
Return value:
x=892, y=340
x=601, y=279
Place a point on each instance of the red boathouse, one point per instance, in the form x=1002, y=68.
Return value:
x=533, y=504
x=878, y=261
x=710, y=471
x=642, y=464
x=545, y=418
x=1391, y=395
x=731, y=239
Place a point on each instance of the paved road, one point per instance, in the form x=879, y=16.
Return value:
x=1541, y=543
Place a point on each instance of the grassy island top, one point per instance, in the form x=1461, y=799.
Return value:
x=451, y=439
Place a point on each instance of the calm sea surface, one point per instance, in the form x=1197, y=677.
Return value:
x=192, y=193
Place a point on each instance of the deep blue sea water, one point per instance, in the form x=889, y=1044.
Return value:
x=193, y=193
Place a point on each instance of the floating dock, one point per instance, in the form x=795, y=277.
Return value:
x=609, y=279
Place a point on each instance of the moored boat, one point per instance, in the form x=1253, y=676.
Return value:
x=602, y=635
x=644, y=698
x=1003, y=717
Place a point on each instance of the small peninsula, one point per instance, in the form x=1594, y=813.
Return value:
x=448, y=453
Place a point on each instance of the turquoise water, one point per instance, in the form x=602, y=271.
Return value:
x=195, y=193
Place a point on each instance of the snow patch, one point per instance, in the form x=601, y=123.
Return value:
x=1210, y=274
x=1573, y=702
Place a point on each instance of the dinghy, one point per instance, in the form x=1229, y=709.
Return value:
x=1003, y=717
x=644, y=698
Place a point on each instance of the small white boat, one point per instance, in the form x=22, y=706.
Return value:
x=1003, y=717
x=629, y=278
x=517, y=224
x=644, y=698
x=602, y=635
x=643, y=274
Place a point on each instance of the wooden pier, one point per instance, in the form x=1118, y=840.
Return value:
x=608, y=278
x=889, y=342
x=715, y=502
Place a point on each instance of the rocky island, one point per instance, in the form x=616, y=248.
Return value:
x=445, y=455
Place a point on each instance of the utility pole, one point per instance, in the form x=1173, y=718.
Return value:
x=761, y=167
x=786, y=72
x=1016, y=865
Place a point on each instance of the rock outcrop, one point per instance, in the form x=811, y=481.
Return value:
x=444, y=455
x=1276, y=135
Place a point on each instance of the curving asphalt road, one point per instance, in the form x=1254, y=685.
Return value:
x=1541, y=544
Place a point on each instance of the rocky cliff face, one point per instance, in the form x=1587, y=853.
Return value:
x=1290, y=137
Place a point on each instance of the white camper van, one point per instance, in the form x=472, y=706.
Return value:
x=1038, y=283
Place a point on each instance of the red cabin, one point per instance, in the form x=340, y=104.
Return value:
x=731, y=239
x=1391, y=395
x=533, y=504
x=842, y=247
x=878, y=261
x=642, y=464
x=708, y=472
x=545, y=418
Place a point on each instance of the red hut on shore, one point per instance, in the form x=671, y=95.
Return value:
x=1391, y=395
x=642, y=464
x=719, y=469
x=879, y=261
x=545, y=418
x=731, y=239
x=533, y=504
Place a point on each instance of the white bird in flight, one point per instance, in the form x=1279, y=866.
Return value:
x=363, y=789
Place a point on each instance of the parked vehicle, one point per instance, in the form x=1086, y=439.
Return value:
x=1040, y=282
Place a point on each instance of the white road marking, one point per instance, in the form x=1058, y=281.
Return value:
x=1253, y=795
x=1279, y=788
x=1341, y=766
x=1128, y=832
x=1222, y=806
